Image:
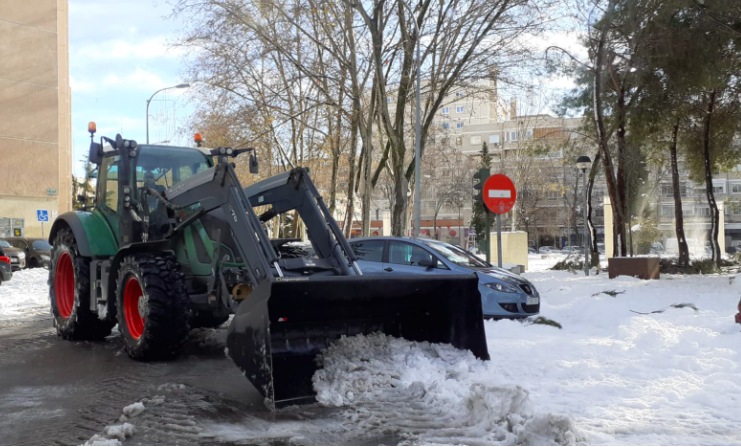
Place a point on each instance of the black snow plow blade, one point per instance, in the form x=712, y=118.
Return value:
x=276, y=334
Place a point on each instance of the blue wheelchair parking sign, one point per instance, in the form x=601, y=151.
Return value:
x=42, y=215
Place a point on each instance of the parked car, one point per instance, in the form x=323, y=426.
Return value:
x=572, y=250
x=548, y=249
x=38, y=251
x=503, y=294
x=531, y=251
x=601, y=248
x=6, y=272
x=17, y=256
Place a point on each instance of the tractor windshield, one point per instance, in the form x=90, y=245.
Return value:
x=162, y=167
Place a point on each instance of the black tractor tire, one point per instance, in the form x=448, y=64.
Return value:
x=207, y=319
x=157, y=327
x=69, y=292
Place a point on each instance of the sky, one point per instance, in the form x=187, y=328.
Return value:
x=120, y=54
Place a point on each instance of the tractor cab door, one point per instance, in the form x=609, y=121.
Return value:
x=107, y=194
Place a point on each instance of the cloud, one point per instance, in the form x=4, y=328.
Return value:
x=139, y=79
x=80, y=86
x=118, y=49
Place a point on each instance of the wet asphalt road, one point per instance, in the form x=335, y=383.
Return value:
x=56, y=392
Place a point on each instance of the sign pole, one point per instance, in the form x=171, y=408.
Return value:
x=42, y=229
x=488, y=237
x=499, y=240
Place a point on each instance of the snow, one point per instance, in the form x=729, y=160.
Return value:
x=113, y=435
x=27, y=290
x=133, y=410
x=432, y=394
x=610, y=376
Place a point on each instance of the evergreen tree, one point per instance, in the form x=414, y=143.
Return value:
x=478, y=219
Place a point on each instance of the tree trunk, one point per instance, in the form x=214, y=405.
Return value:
x=622, y=174
x=594, y=256
x=684, y=252
x=714, y=214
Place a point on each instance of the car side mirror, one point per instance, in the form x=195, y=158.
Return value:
x=426, y=263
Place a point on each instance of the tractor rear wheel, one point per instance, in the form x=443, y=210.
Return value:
x=152, y=306
x=69, y=292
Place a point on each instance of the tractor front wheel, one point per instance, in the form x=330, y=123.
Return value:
x=152, y=306
x=69, y=291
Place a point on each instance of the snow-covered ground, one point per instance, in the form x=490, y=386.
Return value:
x=26, y=290
x=620, y=377
x=615, y=373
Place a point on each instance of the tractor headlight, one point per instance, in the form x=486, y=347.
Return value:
x=501, y=287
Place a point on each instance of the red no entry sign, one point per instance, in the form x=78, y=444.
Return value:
x=499, y=194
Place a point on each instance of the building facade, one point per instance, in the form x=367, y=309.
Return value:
x=35, y=120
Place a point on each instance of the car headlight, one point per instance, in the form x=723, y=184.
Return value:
x=21, y=255
x=45, y=258
x=501, y=287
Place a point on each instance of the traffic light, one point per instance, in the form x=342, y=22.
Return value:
x=479, y=178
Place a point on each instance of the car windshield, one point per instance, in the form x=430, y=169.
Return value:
x=5, y=244
x=456, y=255
x=41, y=245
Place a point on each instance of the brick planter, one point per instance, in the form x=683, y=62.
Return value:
x=643, y=268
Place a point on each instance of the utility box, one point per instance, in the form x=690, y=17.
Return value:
x=514, y=248
x=641, y=267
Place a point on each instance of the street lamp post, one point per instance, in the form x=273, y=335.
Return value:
x=417, y=131
x=186, y=85
x=585, y=163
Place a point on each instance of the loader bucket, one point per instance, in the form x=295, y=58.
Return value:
x=275, y=337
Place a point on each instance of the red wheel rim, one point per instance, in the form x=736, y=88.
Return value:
x=64, y=285
x=132, y=295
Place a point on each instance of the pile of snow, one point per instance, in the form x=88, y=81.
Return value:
x=133, y=410
x=27, y=289
x=113, y=435
x=432, y=394
x=672, y=377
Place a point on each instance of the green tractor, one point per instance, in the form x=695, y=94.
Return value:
x=173, y=241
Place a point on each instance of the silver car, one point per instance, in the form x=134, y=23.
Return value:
x=503, y=294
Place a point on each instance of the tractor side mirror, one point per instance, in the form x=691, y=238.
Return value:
x=82, y=199
x=96, y=153
x=254, y=166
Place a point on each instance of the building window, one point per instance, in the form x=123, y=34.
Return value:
x=719, y=189
x=458, y=93
x=388, y=100
x=459, y=141
x=460, y=109
x=668, y=190
x=736, y=188
x=446, y=125
x=476, y=140
x=445, y=141
x=702, y=211
x=446, y=110
x=667, y=211
x=513, y=136
x=494, y=139
x=459, y=125
x=529, y=134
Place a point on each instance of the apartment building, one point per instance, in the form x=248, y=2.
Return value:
x=35, y=120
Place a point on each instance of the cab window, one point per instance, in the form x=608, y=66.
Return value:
x=162, y=168
x=108, y=183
